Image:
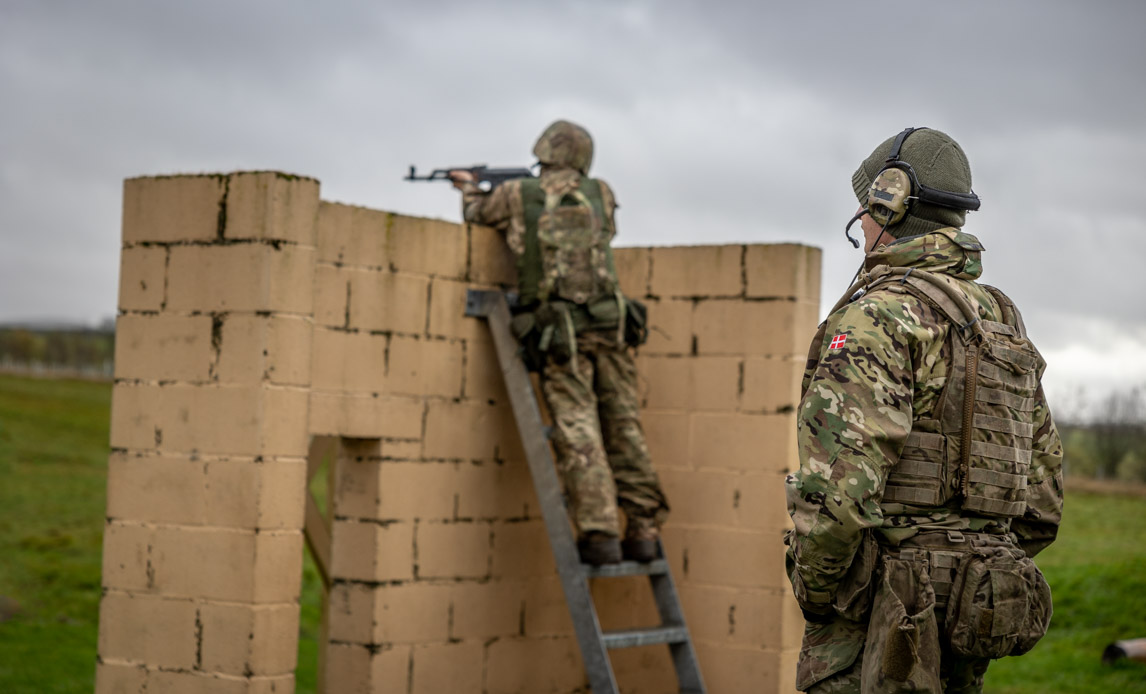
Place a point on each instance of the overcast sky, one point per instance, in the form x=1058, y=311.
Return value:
x=714, y=122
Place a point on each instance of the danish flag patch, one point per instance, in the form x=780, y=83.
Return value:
x=838, y=341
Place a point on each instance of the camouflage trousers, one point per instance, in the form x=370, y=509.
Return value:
x=904, y=651
x=598, y=439
x=963, y=677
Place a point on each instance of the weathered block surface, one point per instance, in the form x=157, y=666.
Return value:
x=142, y=279
x=266, y=205
x=172, y=208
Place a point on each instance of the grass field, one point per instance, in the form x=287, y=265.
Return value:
x=53, y=463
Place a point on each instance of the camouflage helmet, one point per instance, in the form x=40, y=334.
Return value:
x=565, y=144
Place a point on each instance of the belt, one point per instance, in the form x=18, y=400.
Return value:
x=943, y=551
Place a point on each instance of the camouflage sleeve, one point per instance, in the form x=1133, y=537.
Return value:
x=854, y=416
x=500, y=208
x=1038, y=526
x=492, y=208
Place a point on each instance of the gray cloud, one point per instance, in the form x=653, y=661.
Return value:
x=715, y=122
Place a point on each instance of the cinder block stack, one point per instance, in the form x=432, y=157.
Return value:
x=202, y=548
x=253, y=317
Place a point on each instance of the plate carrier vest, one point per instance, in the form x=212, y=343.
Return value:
x=979, y=449
x=567, y=253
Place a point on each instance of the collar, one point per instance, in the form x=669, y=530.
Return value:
x=948, y=250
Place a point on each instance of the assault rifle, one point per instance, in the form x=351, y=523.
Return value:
x=482, y=174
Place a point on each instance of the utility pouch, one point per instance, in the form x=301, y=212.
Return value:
x=636, y=323
x=558, y=337
x=901, y=652
x=604, y=313
x=853, y=597
x=524, y=328
x=523, y=325
x=1000, y=604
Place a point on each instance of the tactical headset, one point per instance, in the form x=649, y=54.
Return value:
x=896, y=187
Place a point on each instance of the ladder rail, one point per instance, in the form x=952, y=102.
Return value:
x=550, y=494
x=683, y=653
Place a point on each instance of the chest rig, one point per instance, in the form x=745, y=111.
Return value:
x=977, y=450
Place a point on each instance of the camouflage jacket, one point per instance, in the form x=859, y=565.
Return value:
x=861, y=395
x=502, y=208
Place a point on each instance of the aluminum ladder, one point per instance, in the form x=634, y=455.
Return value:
x=593, y=641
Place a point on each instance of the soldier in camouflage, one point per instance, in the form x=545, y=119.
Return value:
x=560, y=226
x=930, y=467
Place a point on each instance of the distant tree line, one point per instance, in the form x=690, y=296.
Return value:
x=1106, y=438
x=78, y=350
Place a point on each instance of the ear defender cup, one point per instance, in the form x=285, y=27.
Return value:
x=889, y=196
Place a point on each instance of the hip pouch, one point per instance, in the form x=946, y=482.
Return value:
x=524, y=328
x=636, y=323
x=901, y=652
x=557, y=335
x=1000, y=604
x=604, y=312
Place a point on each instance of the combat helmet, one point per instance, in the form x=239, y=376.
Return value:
x=565, y=144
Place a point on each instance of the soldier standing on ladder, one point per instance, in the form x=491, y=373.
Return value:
x=578, y=330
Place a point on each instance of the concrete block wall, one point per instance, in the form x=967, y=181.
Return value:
x=253, y=316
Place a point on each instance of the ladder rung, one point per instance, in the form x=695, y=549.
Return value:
x=630, y=638
x=656, y=567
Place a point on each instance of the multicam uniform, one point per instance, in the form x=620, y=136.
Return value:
x=560, y=227
x=889, y=512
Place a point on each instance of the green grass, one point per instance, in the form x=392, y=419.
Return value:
x=53, y=467
x=53, y=470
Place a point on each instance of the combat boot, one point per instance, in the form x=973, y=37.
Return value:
x=597, y=548
x=640, y=543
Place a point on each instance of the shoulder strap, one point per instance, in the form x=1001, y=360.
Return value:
x=951, y=302
x=1011, y=316
x=532, y=201
x=592, y=189
x=529, y=262
x=957, y=307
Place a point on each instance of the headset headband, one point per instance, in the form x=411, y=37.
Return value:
x=893, y=155
x=926, y=194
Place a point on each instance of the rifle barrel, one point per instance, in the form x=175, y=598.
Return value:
x=481, y=174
